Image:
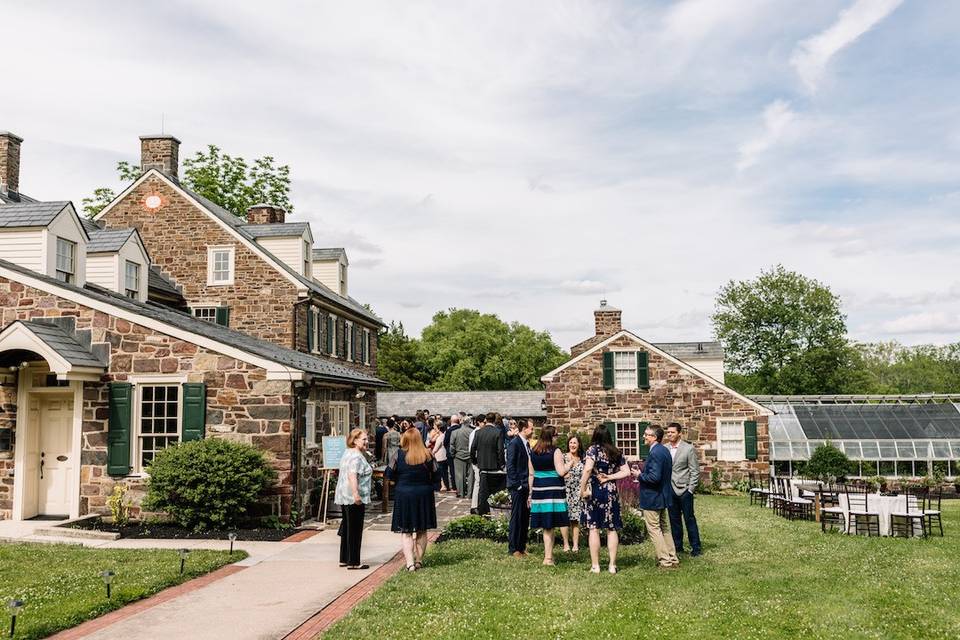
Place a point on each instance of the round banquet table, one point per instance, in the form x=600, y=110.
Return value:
x=883, y=505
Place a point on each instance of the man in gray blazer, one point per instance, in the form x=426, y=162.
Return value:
x=686, y=475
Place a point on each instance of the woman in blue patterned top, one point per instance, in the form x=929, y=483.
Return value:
x=353, y=496
x=548, y=495
x=602, y=467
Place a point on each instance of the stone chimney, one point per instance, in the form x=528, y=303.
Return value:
x=161, y=152
x=9, y=163
x=607, y=319
x=266, y=214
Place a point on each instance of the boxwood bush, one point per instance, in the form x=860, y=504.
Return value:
x=497, y=529
x=207, y=484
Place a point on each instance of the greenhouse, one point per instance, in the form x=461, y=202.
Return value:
x=895, y=436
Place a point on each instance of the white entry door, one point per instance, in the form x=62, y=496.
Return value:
x=339, y=418
x=56, y=463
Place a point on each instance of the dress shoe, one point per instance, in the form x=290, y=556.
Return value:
x=473, y=512
x=517, y=554
x=694, y=554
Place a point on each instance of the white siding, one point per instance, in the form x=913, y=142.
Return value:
x=326, y=272
x=102, y=270
x=288, y=250
x=22, y=247
x=713, y=368
x=132, y=251
x=68, y=227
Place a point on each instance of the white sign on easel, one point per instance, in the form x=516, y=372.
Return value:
x=333, y=449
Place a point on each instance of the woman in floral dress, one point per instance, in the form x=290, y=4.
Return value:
x=603, y=466
x=573, y=458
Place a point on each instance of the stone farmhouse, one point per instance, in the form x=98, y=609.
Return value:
x=166, y=319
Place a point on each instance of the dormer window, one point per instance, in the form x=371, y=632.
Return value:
x=66, y=260
x=220, y=265
x=132, y=280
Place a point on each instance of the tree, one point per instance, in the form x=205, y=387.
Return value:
x=783, y=333
x=827, y=461
x=398, y=359
x=227, y=180
x=891, y=368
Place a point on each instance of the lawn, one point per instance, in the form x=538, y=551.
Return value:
x=760, y=577
x=61, y=584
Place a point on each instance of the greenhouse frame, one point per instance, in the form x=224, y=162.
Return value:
x=893, y=436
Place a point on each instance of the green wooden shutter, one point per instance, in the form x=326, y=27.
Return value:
x=612, y=430
x=118, y=430
x=750, y=439
x=311, y=339
x=643, y=448
x=342, y=335
x=330, y=335
x=608, y=369
x=223, y=316
x=194, y=411
x=643, y=370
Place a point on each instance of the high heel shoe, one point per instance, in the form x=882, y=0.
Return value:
x=613, y=569
x=595, y=569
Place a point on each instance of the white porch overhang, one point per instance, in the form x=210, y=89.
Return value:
x=66, y=357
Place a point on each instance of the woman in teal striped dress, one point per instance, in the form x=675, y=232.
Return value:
x=548, y=497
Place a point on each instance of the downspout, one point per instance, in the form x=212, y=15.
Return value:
x=295, y=467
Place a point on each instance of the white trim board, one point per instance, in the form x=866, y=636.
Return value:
x=548, y=377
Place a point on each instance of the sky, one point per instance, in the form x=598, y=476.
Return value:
x=531, y=158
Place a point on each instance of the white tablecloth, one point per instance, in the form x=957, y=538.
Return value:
x=883, y=505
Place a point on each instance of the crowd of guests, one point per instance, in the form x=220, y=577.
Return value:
x=550, y=489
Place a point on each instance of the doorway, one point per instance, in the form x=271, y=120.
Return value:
x=50, y=464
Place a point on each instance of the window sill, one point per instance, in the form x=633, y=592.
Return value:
x=220, y=284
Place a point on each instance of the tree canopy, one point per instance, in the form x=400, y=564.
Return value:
x=465, y=350
x=229, y=181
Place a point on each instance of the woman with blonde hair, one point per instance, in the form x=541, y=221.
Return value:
x=414, y=508
x=353, y=495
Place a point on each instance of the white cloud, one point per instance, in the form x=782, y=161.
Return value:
x=924, y=322
x=777, y=116
x=586, y=287
x=811, y=56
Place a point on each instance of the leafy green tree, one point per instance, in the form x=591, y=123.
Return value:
x=783, y=333
x=229, y=181
x=889, y=367
x=827, y=461
x=398, y=359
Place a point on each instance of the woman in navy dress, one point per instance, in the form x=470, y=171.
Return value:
x=548, y=495
x=602, y=467
x=414, y=508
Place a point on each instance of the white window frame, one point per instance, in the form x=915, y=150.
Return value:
x=71, y=274
x=212, y=251
x=307, y=260
x=735, y=449
x=348, y=340
x=335, y=424
x=205, y=308
x=136, y=448
x=310, y=419
x=334, y=343
x=366, y=346
x=625, y=355
x=635, y=442
x=317, y=334
x=126, y=279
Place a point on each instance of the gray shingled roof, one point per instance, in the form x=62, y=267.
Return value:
x=521, y=404
x=276, y=230
x=108, y=240
x=281, y=355
x=321, y=290
x=332, y=253
x=63, y=343
x=157, y=280
x=14, y=198
x=30, y=214
x=692, y=350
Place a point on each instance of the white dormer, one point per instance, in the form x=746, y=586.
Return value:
x=330, y=269
x=117, y=260
x=46, y=237
x=290, y=242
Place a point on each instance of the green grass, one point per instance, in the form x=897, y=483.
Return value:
x=61, y=584
x=760, y=577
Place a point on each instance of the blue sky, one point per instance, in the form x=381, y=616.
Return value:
x=530, y=158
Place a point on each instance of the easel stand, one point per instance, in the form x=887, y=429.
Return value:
x=325, y=494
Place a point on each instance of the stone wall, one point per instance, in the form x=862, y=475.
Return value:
x=577, y=401
x=8, y=420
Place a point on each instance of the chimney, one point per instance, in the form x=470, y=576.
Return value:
x=266, y=214
x=607, y=319
x=9, y=163
x=161, y=152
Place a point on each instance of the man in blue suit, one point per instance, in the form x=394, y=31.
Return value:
x=518, y=482
x=656, y=496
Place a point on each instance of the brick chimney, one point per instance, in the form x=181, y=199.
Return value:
x=161, y=152
x=266, y=214
x=607, y=319
x=9, y=162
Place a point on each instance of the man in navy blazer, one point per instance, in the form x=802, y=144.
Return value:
x=656, y=496
x=518, y=474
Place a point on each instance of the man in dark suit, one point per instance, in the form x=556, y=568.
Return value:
x=487, y=454
x=656, y=496
x=518, y=482
x=378, y=434
x=447, y=436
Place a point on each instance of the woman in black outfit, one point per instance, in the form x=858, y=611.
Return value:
x=414, y=508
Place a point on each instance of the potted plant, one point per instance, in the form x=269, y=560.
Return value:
x=500, y=500
x=879, y=483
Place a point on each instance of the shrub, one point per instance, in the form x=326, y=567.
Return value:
x=634, y=528
x=715, y=480
x=498, y=529
x=827, y=462
x=207, y=484
x=500, y=498
x=119, y=508
x=471, y=527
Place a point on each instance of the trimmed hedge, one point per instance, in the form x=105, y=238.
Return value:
x=497, y=529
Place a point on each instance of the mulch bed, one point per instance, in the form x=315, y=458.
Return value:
x=173, y=532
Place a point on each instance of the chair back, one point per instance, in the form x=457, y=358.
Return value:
x=858, y=501
x=828, y=496
x=915, y=498
x=934, y=495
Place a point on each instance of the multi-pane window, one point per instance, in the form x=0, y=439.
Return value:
x=220, y=265
x=132, y=280
x=625, y=369
x=317, y=327
x=159, y=420
x=628, y=438
x=731, y=441
x=205, y=313
x=66, y=260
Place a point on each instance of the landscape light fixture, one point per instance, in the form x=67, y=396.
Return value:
x=232, y=536
x=14, y=606
x=107, y=577
x=183, y=558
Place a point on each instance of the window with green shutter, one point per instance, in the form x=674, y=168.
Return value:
x=644, y=449
x=643, y=370
x=612, y=430
x=750, y=439
x=331, y=330
x=311, y=339
x=223, y=316
x=608, y=369
x=118, y=428
x=194, y=411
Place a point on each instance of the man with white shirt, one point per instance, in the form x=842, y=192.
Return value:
x=686, y=476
